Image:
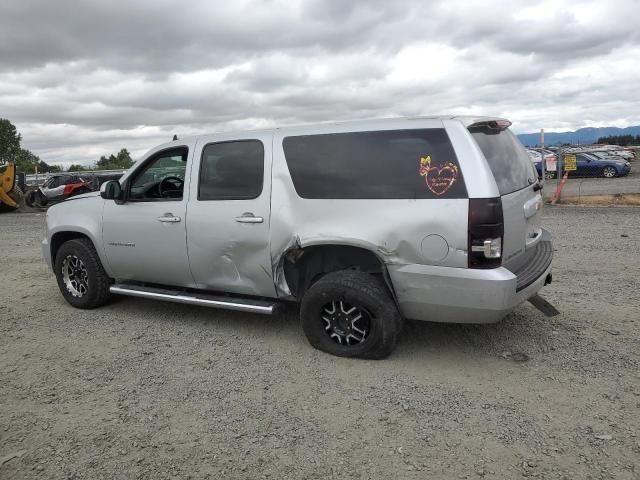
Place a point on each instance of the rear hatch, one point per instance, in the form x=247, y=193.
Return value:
x=517, y=182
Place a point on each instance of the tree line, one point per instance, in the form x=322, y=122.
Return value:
x=26, y=161
x=622, y=140
x=120, y=161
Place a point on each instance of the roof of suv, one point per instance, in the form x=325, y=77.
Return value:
x=466, y=120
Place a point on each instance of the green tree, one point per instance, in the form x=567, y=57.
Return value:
x=27, y=162
x=9, y=141
x=122, y=161
x=75, y=167
x=620, y=140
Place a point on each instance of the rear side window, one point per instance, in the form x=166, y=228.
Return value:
x=379, y=164
x=231, y=170
x=508, y=159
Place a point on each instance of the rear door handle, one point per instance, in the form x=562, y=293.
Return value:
x=169, y=218
x=249, y=217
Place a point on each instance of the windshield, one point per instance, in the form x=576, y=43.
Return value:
x=507, y=158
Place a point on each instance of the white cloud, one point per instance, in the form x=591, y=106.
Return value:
x=107, y=75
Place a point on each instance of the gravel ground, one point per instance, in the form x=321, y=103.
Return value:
x=142, y=389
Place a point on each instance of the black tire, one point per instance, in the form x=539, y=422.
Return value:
x=36, y=199
x=96, y=282
x=29, y=198
x=609, y=172
x=356, y=289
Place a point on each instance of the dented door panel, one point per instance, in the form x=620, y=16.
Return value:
x=228, y=240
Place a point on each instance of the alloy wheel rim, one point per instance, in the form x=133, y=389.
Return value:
x=75, y=276
x=346, y=324
x=609, y=172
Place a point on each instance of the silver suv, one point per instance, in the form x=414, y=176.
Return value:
x=362, y=223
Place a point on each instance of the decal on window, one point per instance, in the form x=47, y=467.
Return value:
x=439, y=178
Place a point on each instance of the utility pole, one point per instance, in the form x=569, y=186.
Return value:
x=543, y=169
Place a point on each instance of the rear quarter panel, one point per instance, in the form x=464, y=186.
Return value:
x=393, y=229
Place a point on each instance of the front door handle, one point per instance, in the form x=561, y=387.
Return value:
x=169, y=218
x=249, y=217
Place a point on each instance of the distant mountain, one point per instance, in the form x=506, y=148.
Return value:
x=580, y=136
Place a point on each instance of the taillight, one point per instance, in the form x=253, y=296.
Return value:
x=486, y=231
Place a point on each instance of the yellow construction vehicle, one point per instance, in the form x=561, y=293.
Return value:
x=11, y=196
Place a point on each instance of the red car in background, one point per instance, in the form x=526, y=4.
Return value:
x=58, y=188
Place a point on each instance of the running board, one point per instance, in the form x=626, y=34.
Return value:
x=202, y=299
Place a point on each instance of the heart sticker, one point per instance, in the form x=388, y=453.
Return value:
x=439, y=179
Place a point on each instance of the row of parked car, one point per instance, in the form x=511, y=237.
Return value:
x=606, y=161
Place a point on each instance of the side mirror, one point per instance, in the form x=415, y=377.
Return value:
x=111, y=190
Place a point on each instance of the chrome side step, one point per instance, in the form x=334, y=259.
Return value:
x=202, y=299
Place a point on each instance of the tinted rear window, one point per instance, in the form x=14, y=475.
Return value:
x=381, y=164
x=507, y=158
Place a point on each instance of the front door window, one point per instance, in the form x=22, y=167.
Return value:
x=162, y=179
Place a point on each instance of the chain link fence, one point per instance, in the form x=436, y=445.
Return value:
x=589, y=171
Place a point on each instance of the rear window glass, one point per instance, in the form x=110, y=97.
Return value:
x=381, y=164
x=507, y=158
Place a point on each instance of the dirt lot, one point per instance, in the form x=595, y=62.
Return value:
x=140, y=389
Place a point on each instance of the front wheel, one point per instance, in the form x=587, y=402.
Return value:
x=80, y=275
x=609, y=172
x=351, y=314
x=36, y=199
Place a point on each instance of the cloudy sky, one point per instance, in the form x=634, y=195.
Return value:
x=82, y=78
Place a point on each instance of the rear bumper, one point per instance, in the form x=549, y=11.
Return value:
x=463, y=295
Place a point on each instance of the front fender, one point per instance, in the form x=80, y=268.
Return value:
x=82, y=216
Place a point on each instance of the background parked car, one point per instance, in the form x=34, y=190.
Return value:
x=550, y=158
x=61, y=187
x=590, y=165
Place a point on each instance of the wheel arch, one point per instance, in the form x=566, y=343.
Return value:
x=60, y=237
x=302, y=266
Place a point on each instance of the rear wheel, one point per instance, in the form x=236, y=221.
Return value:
x=351, y=314
x=609, y=172
x=80, y=275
